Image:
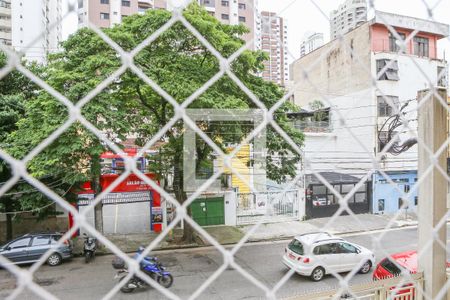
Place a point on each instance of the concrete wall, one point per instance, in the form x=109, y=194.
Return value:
x=345, y=149
x=28, y=223
x=333, y=69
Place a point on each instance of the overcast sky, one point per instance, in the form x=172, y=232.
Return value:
x=312, y=15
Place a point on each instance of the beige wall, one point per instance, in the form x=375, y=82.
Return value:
x=333, y=70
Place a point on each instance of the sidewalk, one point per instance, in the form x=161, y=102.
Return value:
x=227, y=235
x=340, y=225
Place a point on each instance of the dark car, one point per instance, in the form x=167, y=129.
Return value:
x=30, y=248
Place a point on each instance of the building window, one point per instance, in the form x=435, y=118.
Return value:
x=441, y=76
x=242, y=6
x=225, y=17
x=104, y=1
x=104, y=16
x=421, y=46
x=380, y=204
x=393, y=46
x=390, y=72
x=383, y=139
x=80, y=3
x=225, y=3
x=242, y=19
x=386, y=105
x=126, y=3
x=7, y=4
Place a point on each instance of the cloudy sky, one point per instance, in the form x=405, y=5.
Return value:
x=312, y=15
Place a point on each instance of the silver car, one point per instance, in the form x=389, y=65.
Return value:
x=30, y=247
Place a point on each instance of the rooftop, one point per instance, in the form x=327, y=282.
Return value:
x=412, y=23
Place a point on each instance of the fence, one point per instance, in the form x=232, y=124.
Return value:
x=253, y=208
x=392, y=288
x=349, y=87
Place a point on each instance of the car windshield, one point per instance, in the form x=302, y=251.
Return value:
x=296, y=247
x=390, y=267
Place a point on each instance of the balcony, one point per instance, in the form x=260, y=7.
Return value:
x=313, y=126
x=5, y=23
x=5, y=11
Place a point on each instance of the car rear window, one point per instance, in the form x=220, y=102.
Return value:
x=296, y=247
x=390, y=267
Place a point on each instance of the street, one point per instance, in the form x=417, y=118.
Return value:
x=191, y=267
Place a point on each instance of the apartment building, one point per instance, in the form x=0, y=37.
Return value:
x=349, y=15
x=36, y=27
x=5, y=22
x=310, y=42
x=274, y=42
x=267, y=31
x=106, y=13
x=364, y=81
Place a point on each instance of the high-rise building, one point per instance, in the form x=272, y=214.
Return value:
x=348, y=16
x=310, y=42
x=36, y=27
x=5, y=22
x=106, y=13
x=273, y=39
x=274, y=42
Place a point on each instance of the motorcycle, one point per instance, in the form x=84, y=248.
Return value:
x=150, y=266
x=90, y=246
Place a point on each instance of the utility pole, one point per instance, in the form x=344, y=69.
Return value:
x=432, y=206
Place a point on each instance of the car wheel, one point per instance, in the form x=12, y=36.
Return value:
x=317, y=274
x=54, y=259
x=365, y=267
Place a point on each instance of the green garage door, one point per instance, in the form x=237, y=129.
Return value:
x=208, y=211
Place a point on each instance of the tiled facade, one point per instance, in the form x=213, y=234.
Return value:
x=274, y=43
x=105, y=13
x=273, y=40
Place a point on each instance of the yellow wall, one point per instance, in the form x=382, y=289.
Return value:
x=240, y=164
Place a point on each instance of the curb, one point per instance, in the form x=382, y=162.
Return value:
x=249, y=241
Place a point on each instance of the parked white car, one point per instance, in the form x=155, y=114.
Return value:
x=317, y=254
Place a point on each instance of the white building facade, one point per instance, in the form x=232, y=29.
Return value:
x=363, y=101
x=36, y=27
x=310, y=42
x=348, y=16
x=5, y=22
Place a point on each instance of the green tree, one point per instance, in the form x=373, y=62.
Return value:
x=319, y=114
x=15, y=88
x=180, y=65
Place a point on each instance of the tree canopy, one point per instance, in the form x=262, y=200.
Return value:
x=179, y=63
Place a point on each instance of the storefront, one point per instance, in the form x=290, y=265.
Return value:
x=321, y=202
x=132, y=206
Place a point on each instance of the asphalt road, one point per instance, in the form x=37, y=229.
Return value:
x=191, y=267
